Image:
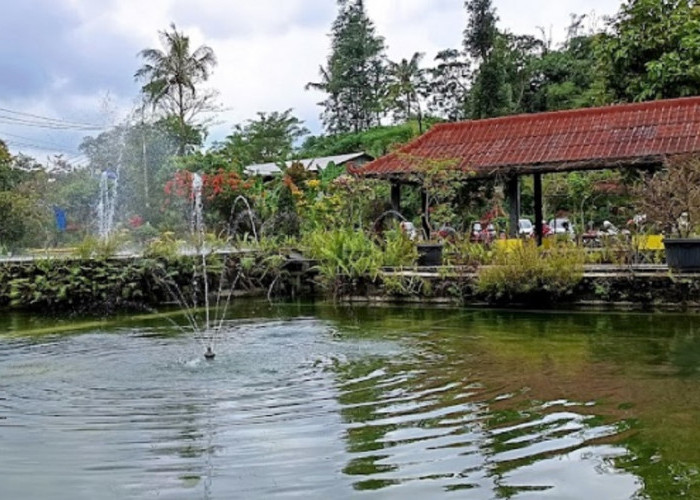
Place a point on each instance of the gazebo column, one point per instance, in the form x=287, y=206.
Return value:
x=538, y=208
x=396, y=196
x=513, y=193
x=425, y=218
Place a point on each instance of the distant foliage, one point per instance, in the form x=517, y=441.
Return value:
x=376, y=141
x=270, y=138
x=651, y=52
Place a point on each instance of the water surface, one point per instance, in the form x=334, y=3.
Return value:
x=311, y=401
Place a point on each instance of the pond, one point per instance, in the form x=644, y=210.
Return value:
x=317, y=401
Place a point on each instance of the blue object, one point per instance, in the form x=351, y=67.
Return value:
x=60, y=218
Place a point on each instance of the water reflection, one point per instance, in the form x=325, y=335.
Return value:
x=532, y=406
x=319, y=402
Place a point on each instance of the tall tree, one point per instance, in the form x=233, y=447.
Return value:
x=353, y=78
x=480, y=35
x=172, y=78
x=491, y=94
x=651, y=52
x=140, y=154
x=406, y=85
x=563, y=78
x=448, y=87
x=19, y=207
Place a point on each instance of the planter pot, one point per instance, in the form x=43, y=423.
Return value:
x=429, y=254
x=683, y=254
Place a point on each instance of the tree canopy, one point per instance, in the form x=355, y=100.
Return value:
x=652, y=51
x=172, y=77
x=270, y=138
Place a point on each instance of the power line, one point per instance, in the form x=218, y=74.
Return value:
x=57, y=121
x=38, y=147
x=37, y=141
x=10, y=120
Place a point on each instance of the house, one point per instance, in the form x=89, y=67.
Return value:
x=310, y=164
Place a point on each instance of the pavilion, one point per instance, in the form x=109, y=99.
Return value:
x=639, y=135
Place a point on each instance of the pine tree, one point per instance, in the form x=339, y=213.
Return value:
x=354, y=76
x=480, y=35
x=491, y=94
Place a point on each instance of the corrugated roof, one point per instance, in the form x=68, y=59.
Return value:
x=617, y=135
x=311, y=164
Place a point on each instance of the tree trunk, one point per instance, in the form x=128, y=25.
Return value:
x=181, y=110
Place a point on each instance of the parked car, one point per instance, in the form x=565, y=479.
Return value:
x=561, y=225
x=525, y=228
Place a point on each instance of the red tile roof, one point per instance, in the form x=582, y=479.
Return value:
x=621, y=135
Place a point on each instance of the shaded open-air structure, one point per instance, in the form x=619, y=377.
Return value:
x=640, y=135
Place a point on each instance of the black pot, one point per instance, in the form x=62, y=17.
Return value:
x=683, y=254
x=429, y=254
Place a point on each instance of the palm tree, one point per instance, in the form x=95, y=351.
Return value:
x=406, y=82
x=171, y=77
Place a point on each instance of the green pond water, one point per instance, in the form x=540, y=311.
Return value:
x=317, y=401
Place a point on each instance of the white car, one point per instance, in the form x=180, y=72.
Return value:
x=525, y=228
x=561, y=225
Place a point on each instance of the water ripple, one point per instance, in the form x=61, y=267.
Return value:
x=286, y=410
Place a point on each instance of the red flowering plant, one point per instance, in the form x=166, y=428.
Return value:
x=219, y=190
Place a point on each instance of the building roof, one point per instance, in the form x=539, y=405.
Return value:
x=612, y=136
x=311, y=164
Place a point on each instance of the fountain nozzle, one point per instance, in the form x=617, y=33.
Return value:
x=209, y=354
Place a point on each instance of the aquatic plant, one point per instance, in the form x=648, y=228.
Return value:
x=529, y=273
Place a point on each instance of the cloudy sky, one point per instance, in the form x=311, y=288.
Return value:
x=73, y=60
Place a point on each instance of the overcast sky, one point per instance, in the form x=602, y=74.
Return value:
x=74, y=60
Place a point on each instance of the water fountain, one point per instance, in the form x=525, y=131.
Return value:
x=208, y=331
x=109, y=183
x=234, y=222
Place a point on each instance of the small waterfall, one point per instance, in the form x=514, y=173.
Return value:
x=109, y=183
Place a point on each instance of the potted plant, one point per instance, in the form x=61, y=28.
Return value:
x=670, y=199
x=439, y=181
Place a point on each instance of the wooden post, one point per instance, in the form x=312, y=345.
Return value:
x=425, y=217
x=396, y=196
x=538, y=208
x=513, y=189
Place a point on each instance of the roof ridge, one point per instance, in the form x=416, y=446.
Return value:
x=609, y=108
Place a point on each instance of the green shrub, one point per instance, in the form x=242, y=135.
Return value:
x=462, y=252
x=399, y=250
x=164, y=247
x=529, y=273
x=344, y=252
x=92, y=247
